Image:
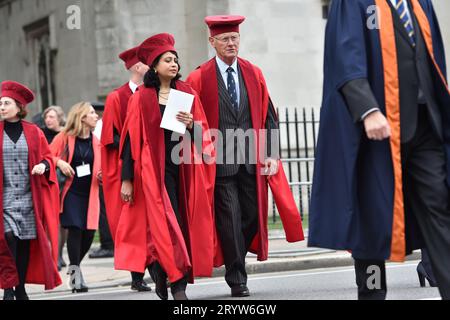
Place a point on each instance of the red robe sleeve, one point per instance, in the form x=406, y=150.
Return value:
x=50, y=190
x=57, y=146
x=111, y=118
x=279, y=185
x=44, y=250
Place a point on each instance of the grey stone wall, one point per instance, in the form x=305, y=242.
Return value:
x=75, y=58
x=122, y=24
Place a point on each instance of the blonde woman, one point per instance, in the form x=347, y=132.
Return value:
x=76, y=153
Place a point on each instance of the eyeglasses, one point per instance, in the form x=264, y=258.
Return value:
x=234, y=39
x=6, y=103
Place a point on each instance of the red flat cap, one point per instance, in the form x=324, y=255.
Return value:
x=155, y=46
x=129, y=57
x=223, y=24
x=17, y=91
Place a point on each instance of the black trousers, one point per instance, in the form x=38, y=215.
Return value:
x=371, y=279
x=426, y=262
x=426, y=197
x=236, y=221
x=20, y=250
x=172, y=183
x=106, y=241
x=78, y=244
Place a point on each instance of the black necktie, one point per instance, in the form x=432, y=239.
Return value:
x=232, y=88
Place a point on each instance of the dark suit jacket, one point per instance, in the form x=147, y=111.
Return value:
x=229, y=121
x=416, y=83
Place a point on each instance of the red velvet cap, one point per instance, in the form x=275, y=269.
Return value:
x=129, y=57
x=154, y=46
x=223, y=24
x=17, y=91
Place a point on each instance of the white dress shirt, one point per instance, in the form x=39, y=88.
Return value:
x=98, y=129
x=133, y=86
x=223, y=71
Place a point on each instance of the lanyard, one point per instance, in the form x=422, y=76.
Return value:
x=84, y=156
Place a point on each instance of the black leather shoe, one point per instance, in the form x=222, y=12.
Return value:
x=101, y=253
x=80, y=290
x=22, y=296
x=240, y=291
x=8, y=295
x=140, y=286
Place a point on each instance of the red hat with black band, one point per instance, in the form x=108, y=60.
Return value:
x=155, y=46
x=17, y=91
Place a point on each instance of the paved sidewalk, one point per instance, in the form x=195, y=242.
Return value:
x=283, y=256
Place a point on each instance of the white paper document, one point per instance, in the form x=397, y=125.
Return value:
x=178, y=102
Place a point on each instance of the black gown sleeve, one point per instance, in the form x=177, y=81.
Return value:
x=127, y=160
x=359, y=98
x=272, y=127
x=46, y=164
x=116, y=140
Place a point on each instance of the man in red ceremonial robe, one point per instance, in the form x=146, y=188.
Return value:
x=113, y=120
x=235, y=98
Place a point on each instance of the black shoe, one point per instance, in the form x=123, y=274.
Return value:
x=422, y=274
x=101, y=253
x=239, y=291
x=8, y=295
x=22, y=296
x=180, y=295
x=140, y=286
x=80, y=290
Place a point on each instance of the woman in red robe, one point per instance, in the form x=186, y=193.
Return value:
x=168, y=219
x=29, y=204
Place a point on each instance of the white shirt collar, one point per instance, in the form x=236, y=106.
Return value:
x=223, y=66
x=133, y=86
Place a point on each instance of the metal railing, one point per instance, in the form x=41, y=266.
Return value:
x=298, y=140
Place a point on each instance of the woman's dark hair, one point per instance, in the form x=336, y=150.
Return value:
x=151, y=79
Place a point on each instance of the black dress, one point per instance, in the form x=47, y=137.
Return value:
x=49, y=134
x=76, y=202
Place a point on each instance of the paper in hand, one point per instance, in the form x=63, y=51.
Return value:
x=178, y=102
